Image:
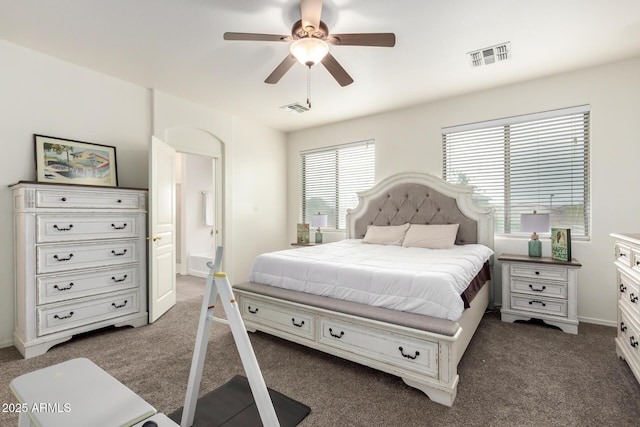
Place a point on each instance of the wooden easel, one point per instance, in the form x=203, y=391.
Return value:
x=217, y=282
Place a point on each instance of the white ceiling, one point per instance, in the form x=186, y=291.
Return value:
x=176, y=46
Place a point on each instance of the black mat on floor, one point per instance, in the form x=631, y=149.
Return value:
x=232, y=405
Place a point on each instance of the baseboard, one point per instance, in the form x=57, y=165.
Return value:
x=8, y=343
x=598, y=321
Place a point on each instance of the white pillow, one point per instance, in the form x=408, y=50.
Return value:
x=436, y=236
x=385, y=235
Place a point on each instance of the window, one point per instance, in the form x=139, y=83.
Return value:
x=332, y=177
x=520, y=164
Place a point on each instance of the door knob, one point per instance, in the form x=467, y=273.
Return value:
x=154, y=238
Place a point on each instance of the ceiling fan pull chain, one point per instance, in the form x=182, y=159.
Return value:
x=309, y=86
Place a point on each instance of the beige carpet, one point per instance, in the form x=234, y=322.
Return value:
x=511, y=374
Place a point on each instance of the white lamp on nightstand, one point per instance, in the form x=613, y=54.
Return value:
x=319, y=220
x=532, y=223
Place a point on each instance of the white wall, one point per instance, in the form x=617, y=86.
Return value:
x=410, y=140
x=44, y=95
x=258, y=192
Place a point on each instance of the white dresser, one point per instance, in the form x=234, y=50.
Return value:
x=540, y=288
x=80, y=261
x=627, y=254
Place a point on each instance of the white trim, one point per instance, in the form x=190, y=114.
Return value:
x=7, y=343
x=597, y=321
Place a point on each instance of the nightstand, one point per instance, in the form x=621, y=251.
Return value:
x=305, y=244
x=540, y=288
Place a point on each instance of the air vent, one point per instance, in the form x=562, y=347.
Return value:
x=296, y=107
x=490, y=55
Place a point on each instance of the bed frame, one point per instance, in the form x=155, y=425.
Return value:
x=422, y=350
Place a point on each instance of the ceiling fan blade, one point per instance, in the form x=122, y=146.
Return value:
x=310, y=11
x=365, y=39
x=281, y=69
x=256, y=37
x=336, y=70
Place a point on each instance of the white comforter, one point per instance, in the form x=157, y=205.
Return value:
x=416, y=280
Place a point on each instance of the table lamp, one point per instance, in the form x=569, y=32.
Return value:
x=534, y=222
x=318, y=220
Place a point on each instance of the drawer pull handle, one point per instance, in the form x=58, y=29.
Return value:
x=119, y=280
x=622, y=254
x=64, y=199
x=340, y=335
x=537, y=302
x=63, y=317
x=537, y=273
x=299, y=325
x=124, y=251
x=408, y=356
x=63, y=289
x=119, y=306
x=633, y=298
x=252, y=311
x=63, y=259
x=623, y=327
x=623, y=288
x=119, y=200
x=633, y=342
x=63, y=228
x=119, y=228
x=637, y=262
x=537, y=289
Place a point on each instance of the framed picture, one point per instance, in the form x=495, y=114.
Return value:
x=561, y=244
x=65, y=161
x=303, y=233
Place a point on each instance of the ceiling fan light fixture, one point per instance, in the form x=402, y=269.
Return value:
x=309, y=50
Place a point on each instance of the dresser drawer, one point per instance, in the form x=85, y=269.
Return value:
x=538, y=271
x=629, y=292
x=59, y=317
x=635, y=260
x=387, y=347
x=55, y=258
x=64, y=228
x=539, y=304
x=54, y=288
x=629, y=335
x=86, y=199
x=298, y=322
x=623, y=254
x=539, y=287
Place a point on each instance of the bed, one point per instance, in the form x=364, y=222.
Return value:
x=392, y=333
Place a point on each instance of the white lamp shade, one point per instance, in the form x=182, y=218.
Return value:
x=319, y=220
x=534, y=223
x=309, y=50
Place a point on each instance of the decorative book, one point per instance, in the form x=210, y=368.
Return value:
x=303, y=233
x=561, y=244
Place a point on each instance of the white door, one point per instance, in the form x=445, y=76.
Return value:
x=162, y=224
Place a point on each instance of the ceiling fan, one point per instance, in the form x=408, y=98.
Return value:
x=310, y=39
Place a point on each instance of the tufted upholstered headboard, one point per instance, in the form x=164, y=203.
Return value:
x=421, y=199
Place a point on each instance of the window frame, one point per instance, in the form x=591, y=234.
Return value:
x=506, y=124
x=336, y=222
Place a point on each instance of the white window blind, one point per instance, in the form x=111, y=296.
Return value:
x=332, y=177
x=520, y=164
